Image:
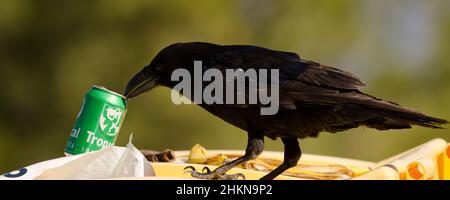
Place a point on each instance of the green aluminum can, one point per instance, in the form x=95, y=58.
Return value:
x=98, y=121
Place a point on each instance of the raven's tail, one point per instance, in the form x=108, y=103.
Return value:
x=393, y=116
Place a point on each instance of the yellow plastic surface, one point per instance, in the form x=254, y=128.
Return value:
x=429, y=161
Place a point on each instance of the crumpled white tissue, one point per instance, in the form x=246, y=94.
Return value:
x=111, y=162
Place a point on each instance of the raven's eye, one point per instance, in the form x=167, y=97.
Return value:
x=159, y=67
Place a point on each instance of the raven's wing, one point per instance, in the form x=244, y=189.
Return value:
x=290, y=65
x=295, y=74
x=313, y=73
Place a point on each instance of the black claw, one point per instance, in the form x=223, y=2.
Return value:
x=186, y=169
x=189, y=167
x=215, y=174
x=206, y=169
x=240, y=175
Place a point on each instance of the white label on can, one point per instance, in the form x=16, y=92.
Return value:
x=110, y=120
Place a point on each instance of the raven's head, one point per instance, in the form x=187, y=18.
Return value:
x=158, y=72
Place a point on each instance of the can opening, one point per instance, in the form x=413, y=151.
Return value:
x=109, y=91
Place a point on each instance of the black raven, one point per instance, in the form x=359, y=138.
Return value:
x=312, y=98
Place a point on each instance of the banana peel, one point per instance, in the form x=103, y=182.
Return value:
x=198, y=155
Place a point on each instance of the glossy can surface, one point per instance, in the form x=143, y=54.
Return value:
x=98, y=122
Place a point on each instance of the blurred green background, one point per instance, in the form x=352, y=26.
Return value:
x=52, y=52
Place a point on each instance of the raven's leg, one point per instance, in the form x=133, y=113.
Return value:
x=255, y=147
x=292, y=154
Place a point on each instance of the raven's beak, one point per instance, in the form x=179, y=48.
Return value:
x=140, y=83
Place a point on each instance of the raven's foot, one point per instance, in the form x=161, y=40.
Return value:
x=216, y=174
